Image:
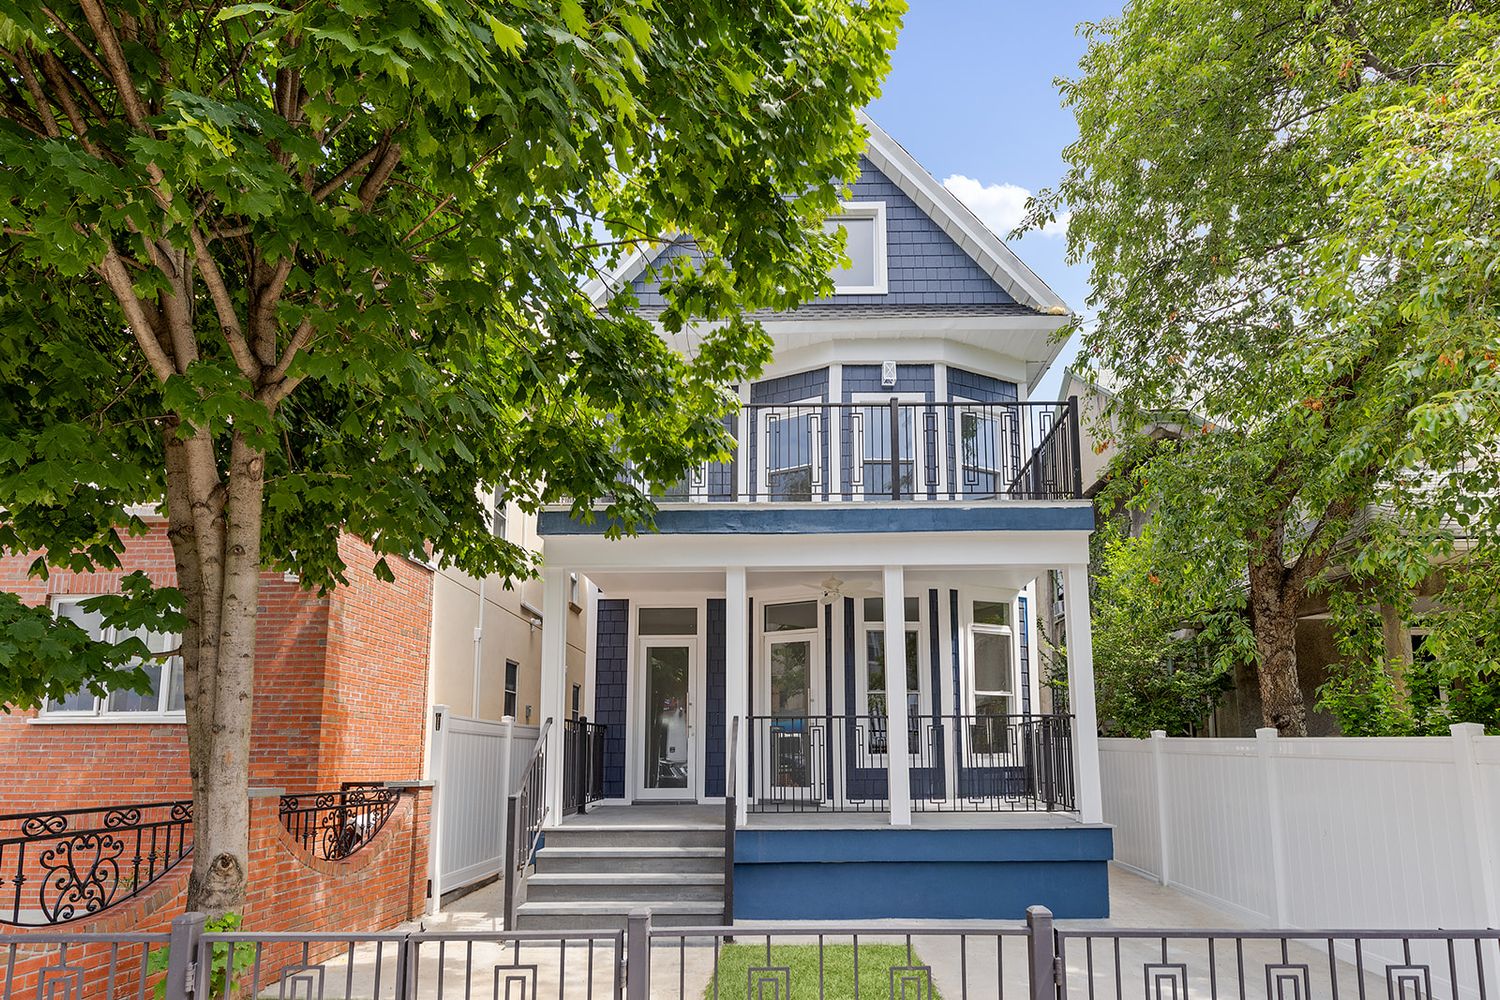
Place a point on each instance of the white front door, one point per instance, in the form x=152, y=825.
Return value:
x=791, y=732
x=668, y=742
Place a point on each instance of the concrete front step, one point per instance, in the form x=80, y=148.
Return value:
x=645, y=835
x=575, y=860
x=533, y=915
x=636, y=887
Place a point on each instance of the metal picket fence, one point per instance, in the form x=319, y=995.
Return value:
x=1034, y=960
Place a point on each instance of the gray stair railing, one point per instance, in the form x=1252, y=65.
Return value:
x=525, y=815
x=731, y=814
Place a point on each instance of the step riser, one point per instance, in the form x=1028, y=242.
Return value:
x=622, y=893
x=619, y=838
x=627, y=863
x=610, y=921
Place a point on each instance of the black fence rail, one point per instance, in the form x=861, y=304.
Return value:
x=583, y=764
x=817, y=763
x=888, y=960
x=61, y=865
x=956, y=763
x=885, y=450
x=992, y=763
x=335, y=825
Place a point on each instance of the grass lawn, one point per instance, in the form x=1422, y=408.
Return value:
x=799, y=962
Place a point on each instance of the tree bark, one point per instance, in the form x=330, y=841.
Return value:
x=1275, y=594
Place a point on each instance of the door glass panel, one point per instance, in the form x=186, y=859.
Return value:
x=669, y=621
x=667, y=717
x=791, y=617
x=791, y=666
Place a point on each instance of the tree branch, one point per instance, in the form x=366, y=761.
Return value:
x=229, y=320
x=343, y=176
x=114, y=60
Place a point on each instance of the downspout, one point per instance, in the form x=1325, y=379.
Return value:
x=478, y=649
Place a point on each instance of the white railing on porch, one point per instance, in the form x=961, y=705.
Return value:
x=1332, y=832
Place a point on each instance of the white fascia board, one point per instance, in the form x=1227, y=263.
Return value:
x=935, y=550
x=897, y=325
x=987, y=249
x=872, y=352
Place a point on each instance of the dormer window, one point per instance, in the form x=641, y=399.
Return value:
x=864, y=225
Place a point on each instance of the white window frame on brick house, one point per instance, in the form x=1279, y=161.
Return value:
x=874, y=211
x=101, y=710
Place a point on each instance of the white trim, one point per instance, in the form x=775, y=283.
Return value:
x=109, y=719
x=101, y=712
x=875, y=211
x=955, y=218
x=697, y=643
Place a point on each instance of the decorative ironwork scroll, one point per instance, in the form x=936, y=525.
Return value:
x=335, y=825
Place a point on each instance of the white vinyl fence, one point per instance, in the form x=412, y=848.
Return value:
x=1315, y=833
x=476, y=764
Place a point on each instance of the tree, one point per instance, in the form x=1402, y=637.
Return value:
x=1290, y=214
x=286, y=271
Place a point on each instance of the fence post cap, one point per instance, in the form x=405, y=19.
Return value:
x=1267, y=733
x=1037, y=912
x=1466, y=729
x=1158, y=734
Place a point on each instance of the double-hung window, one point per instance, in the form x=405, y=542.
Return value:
x=983, y=436
x=793, y=460
x=512, y=686
x=163, y=700
x=498, y=515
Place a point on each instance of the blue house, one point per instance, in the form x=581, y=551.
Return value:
x=835, y=631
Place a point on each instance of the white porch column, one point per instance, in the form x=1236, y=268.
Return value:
x=1080, y=649
x=737, y=684
x=898, y=755
x=554, y=683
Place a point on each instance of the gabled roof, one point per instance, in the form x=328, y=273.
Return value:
x=955, y=219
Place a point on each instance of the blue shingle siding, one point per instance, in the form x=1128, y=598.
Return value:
x=983, y=388
x=925, y=267
x=611, y=662
x=713, y=745
x=788, y=389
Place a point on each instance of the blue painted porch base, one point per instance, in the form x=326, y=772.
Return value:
x=863, y=874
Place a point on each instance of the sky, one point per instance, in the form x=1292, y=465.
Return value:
x=971, y=96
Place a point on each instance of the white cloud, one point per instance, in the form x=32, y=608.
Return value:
x=999, y=206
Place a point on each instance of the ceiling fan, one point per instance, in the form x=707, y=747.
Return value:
x=835, y=588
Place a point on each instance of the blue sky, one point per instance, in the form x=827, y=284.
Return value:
x=971, y=95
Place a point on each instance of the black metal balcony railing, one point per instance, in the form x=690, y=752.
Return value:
x=956, y=763
x=65, y=864
x=583, y=764
x=894, y=450
x=334, y=825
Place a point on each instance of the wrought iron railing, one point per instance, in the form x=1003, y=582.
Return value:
x=817, y=763
x=583, y=764
x=67, y=864
x=335, y=825
x=992, y=763
x=887, y=450
x=525, y=815
x=891, y=960
x=731, y=815
x=956, y=763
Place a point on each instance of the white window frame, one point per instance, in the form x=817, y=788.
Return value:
x=992, y=413
x=971, y=689
x=862, y=630
x=868, y=210
x=813, y=409
x=500, y=516
x=101, y=712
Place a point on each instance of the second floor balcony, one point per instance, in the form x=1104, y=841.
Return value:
x=894, y=450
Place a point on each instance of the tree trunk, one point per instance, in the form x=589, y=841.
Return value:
x=216, y=545
x=1275, y=594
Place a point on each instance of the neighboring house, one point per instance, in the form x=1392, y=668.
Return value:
x=838, y=625
x=489, y=667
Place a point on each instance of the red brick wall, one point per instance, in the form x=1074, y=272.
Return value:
x=340, y=691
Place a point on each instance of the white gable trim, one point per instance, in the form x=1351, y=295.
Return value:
x=961, y=224
x=954, y=217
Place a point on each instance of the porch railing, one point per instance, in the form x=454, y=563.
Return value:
x=335, y=825
x=956, y=763
x=60, y=865
x=525, y=815
x=583, y=764
x=888, y=450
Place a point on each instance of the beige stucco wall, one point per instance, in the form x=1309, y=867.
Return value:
x=507, y=635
